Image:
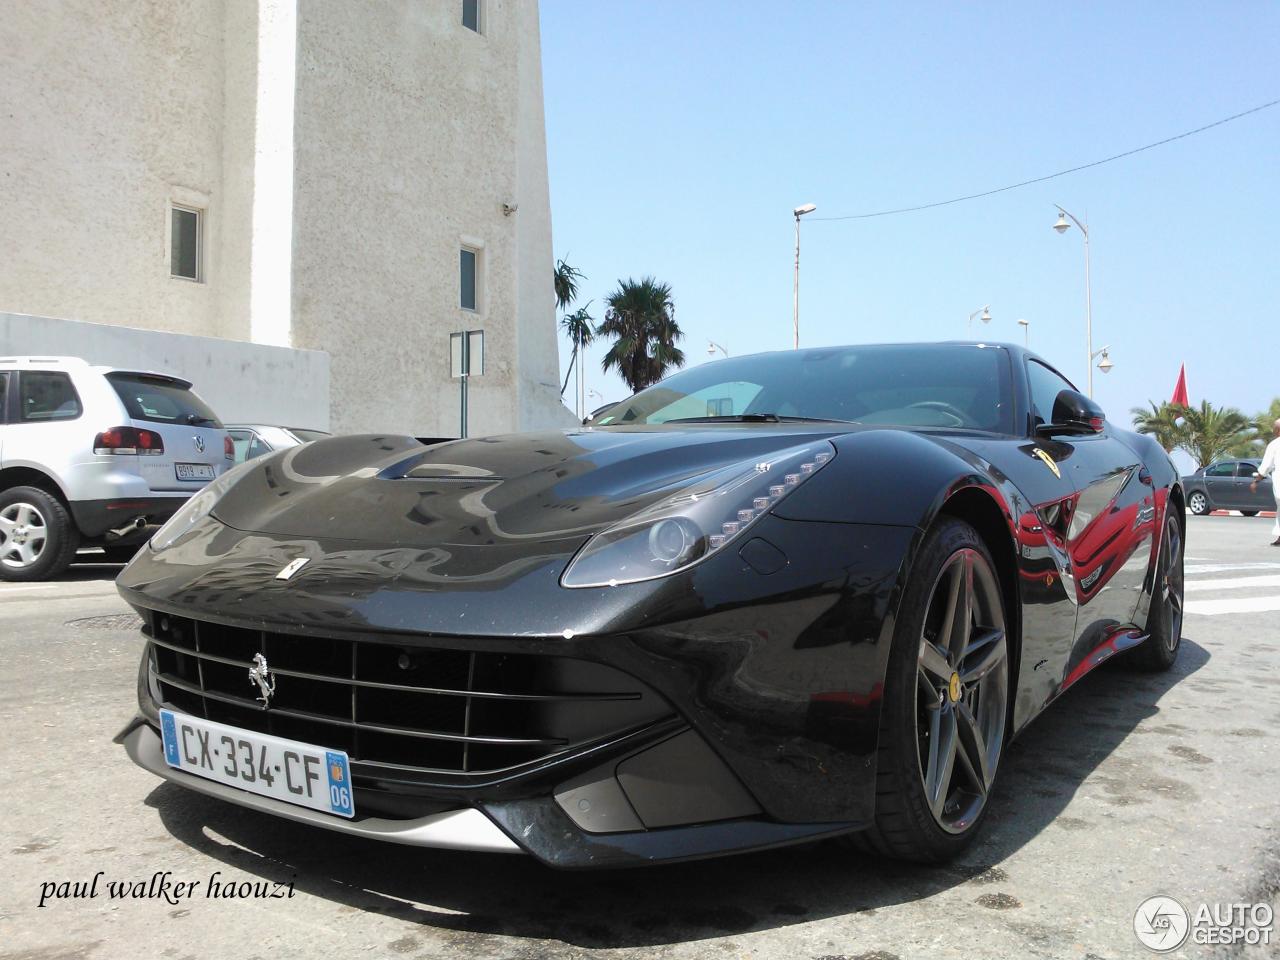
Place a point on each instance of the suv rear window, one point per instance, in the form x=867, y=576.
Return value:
x=47, y=395
x=161, y=401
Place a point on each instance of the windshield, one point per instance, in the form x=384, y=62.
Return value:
x=161, y=400
x=306, y=436
x=962, y=386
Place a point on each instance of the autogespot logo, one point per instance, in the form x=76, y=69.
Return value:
x=1161, y=924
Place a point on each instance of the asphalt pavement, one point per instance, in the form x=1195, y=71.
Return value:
x=1130, y=786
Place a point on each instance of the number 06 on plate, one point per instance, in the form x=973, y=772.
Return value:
x=285, y=770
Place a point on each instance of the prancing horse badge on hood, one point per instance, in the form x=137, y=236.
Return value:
x=292, y=567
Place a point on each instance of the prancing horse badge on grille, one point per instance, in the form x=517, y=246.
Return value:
x=292, y=567
x=260, y=674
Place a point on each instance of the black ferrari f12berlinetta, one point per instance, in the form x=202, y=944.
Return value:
x=769, y=599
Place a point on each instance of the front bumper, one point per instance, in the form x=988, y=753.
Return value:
x=538, y=826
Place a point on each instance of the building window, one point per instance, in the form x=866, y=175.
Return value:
x=471, y=15
x=468, y=278
x=186, y=244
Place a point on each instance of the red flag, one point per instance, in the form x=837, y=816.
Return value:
x=1180, y=391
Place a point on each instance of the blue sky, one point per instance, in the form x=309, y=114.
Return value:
x=681, y=135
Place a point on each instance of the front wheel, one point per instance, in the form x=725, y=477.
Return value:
x=945, y=712
x=1199, y=503
x=1249, y=513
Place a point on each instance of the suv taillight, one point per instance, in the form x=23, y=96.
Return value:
x=228, y=448
x=128, y=440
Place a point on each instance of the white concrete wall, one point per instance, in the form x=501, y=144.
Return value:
x=343, y=151
x=408, y=131
x=538, y=403
x=111, y=108
x=243, y=382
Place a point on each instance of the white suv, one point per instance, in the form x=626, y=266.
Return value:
x=95, y=456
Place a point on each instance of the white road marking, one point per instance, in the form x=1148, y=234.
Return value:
x=1233, y=583
x=1212, y=608
x=1191, y=569
x=42, y=586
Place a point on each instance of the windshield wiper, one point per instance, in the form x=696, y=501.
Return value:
x=194, y=419
x=758, y=418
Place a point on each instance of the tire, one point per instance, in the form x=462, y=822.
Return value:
x=928, y=723
x=1249, y=513
x=1198, y=502
x=38, y=539
x=1164, y=620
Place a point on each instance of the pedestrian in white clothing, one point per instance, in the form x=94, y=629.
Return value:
x=1271, y=465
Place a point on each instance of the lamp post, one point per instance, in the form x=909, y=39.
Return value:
x=712, y=347
x=1104, y=364
x=1062, y=227
x=795, y=295
x=1026, y=332
x=986, y=317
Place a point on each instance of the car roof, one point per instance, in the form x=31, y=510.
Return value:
x=270, y=426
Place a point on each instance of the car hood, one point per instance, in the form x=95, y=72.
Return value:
x=526, y=489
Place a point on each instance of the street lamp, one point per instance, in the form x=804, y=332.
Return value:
x=1062, y=227
x=1026, y=332
x=986, y=317
x=795, y=296
x=712, y=347
x=1105, y=364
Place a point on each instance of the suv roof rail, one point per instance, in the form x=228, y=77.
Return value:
x=43, y=359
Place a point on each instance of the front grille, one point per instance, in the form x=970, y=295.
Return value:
x=397, y=706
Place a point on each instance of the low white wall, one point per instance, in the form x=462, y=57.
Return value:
x=243, y=382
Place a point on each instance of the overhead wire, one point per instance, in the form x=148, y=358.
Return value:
x=1052, y=176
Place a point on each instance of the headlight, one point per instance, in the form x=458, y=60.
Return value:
x=691, y=525
x=199, y=506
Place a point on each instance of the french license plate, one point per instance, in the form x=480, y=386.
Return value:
x=194, y=471
x=297, y=773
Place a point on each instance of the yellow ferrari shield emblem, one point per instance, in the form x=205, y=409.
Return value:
x=953, y=688
x=1048, y=461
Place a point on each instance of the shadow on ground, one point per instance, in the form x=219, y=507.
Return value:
x=515, y=896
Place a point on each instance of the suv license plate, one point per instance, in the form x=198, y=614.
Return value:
x=194, y=471
x=285, y=770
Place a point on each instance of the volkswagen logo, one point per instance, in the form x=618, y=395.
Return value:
x=199, y=442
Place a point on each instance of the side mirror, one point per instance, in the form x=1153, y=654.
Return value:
x=1074, y=413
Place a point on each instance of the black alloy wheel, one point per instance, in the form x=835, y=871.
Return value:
x=945, y=717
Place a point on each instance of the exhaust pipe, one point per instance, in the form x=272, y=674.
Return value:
x=133, y=526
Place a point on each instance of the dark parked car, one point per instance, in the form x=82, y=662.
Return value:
x=769, y=599
x=1224, y=485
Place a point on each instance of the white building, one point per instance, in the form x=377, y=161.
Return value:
x=361, y=179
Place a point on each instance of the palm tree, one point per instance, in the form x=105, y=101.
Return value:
x=640, y=316
x=577, y=326
x=1262, y=425
x=1161, y=422
x=1211, y=431
x=566, y=287
x=566, y=284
